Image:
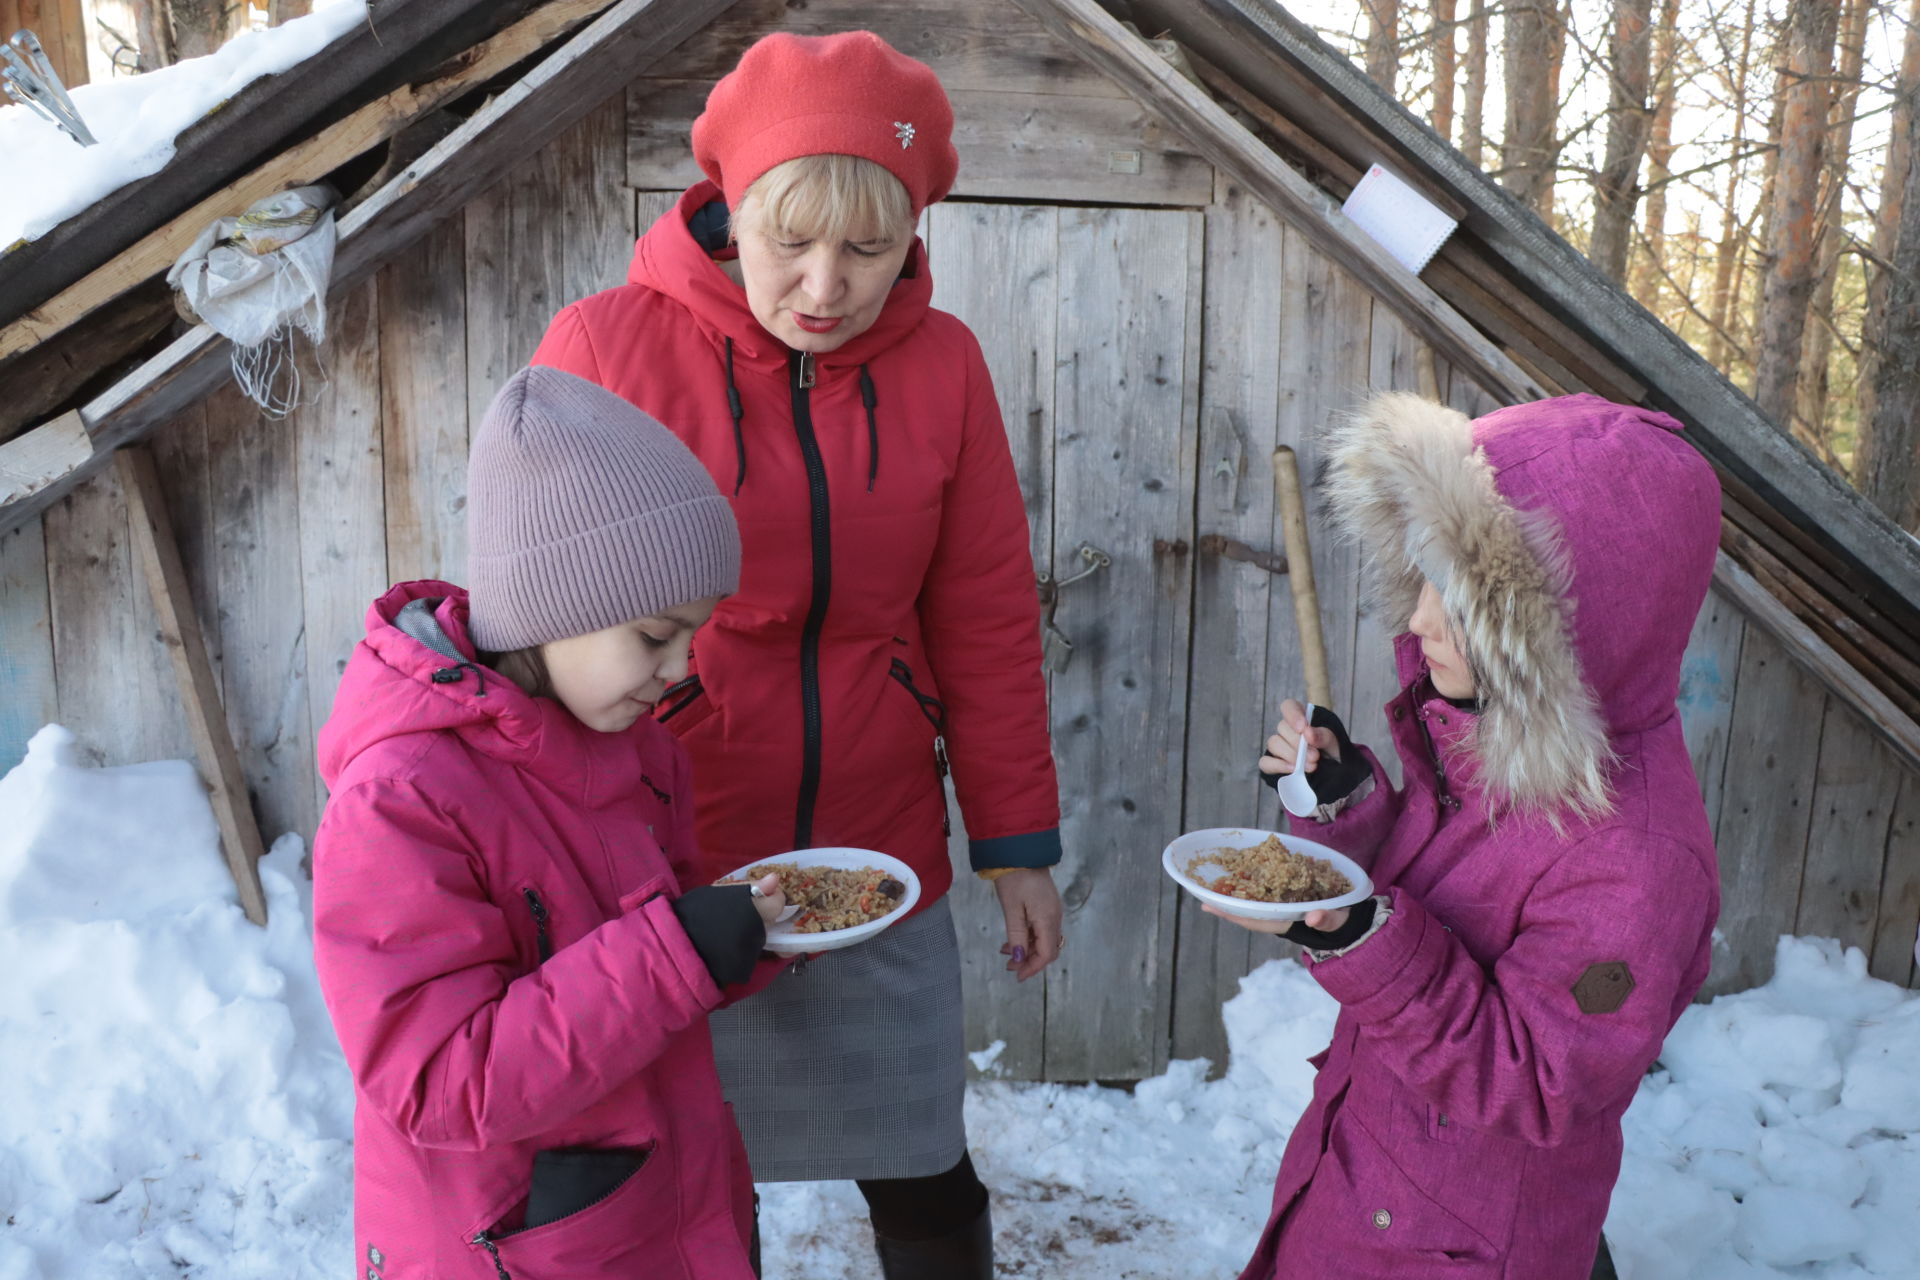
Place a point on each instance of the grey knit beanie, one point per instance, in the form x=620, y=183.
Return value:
x=584, y=513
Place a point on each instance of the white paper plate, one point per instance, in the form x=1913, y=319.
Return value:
x=1190, y=851
x=782, y=939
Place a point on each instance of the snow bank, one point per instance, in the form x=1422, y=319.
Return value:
x=1781, y=1135
x=50, y=177
x=175, y=1101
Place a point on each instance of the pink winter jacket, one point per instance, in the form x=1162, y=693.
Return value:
x=493, y=923
x=1466, y=1118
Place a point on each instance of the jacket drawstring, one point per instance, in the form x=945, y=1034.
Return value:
x=734, y=408
x=869, y=399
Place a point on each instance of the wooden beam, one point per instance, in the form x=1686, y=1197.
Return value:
x=42, y=457
x=303, y=163
x=1090, y=31
x=1731, y=428
x=199, y=688
x=1813, y=653
x=596, y=63
x=400, y=41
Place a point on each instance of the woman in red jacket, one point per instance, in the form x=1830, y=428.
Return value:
x=886, y=625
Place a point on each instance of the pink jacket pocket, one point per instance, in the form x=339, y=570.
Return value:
x=628, y=1230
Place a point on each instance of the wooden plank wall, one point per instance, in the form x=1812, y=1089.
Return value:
x=1142, y=405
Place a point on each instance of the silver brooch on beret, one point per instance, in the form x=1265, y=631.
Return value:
x=905, y=133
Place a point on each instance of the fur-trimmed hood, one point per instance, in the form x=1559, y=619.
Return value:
x=1572, y=541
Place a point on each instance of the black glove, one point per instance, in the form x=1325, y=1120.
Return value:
x=724, y=928
x=1331, y=779
x=1359, y=920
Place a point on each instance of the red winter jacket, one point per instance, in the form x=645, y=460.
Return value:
x=494, y=929
x=886, y=620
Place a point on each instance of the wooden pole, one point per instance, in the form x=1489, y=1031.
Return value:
x=1306, y=601
x=180, y=628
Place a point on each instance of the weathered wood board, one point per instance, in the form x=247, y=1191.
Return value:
x=1013, y=310
x=32, y=696
x=1708, y=674
x=1126, y=397
x=1766, y=811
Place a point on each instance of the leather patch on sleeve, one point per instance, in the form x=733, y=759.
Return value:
x=1603, y=987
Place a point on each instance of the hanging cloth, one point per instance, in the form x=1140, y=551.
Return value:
x=258, y=277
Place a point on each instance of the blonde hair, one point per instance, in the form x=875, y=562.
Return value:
x=828, y=197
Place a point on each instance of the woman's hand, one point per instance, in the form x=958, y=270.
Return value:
x=1325, y=921
x=769, y=899
x=1284, y=745
x=1031, y=903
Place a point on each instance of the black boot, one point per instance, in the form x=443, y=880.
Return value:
x=963, y=1254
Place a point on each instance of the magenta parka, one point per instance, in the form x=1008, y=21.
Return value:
x=493, y=924
x=1548, y=861
x=887, y=621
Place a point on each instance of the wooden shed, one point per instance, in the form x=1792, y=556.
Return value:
x=1146, y=236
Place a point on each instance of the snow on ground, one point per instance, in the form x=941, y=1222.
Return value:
x=51, y=177
x=176, y=1104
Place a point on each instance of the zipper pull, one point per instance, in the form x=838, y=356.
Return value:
x=499, y=1267
x=803, y=373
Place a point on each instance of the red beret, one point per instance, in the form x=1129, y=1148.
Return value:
x=851, y=94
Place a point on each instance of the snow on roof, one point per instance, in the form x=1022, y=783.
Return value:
x=50, y=177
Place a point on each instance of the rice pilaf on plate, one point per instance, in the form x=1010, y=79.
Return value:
x=830, y=898
x=1271, y=872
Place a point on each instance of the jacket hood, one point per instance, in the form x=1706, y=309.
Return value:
x=397, y=684
x=669, y=260
x=1572, y=542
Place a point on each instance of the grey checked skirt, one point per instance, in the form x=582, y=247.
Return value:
x=853, y=1065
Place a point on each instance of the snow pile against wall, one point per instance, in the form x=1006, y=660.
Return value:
x=50, y=177
x=1782, y=1136
x=174, y=1100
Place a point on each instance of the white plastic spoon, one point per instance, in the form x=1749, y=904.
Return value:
x=1296, y=792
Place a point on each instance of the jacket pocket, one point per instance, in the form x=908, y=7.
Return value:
x=1367, y=1209
x=935, y=712
x=621, y=1215
x=568, y=1180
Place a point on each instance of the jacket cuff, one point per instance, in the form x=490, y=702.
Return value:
x=1374, y=982
x=1035, y=849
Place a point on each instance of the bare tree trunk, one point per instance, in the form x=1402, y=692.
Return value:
x=1886, y=222
x=1649, y=280
x=199, y=26
x=154, y=34
x=1473, y=130
x=1444, y=67
x=279, y=11
x=1383, y=41
x=1804, y=101
x=1811, y=394
x=1888, y=460
x=1727, y=252
x=1618, y=190
x=1527, y=151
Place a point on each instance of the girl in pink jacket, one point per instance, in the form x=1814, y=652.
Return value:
x=1546, y=876
x=516, y=972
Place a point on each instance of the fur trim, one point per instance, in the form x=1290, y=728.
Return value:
x=1408, y=483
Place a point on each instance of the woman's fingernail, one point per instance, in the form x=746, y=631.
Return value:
x=1019, y=955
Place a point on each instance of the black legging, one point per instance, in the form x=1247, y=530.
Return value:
x=911, y=1209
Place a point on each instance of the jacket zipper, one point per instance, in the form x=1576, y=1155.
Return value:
x=1439, y=766
x=539, y=910
x=688, y=691
x=936, y=713
x=803, y=375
